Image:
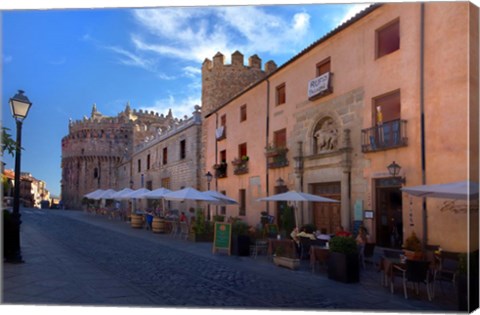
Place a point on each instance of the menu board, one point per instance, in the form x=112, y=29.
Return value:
x=222, y=236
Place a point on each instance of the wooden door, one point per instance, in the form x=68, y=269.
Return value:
x=327, y=215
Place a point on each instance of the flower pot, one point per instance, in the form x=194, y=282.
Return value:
x=158, y=225
x=291, y=263
x=343, y=267
x=136, y=221
x=240, y=245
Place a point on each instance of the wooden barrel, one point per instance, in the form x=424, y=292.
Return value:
x=158, y=225
x=137, y=221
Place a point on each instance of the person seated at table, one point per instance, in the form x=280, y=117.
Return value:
x=341, y=231
x=183, y=217
x=303, y=233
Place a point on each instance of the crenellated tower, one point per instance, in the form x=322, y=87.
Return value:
x=221, y=82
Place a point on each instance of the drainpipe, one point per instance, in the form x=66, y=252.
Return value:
x=422, y=117
x=216, y=148
x=267, y=130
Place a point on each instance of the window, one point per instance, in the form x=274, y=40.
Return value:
x=323, y=67
x=223, y=156
x=386, y=108
x=95, y=173
x=242, y=200
x=242, y=150
x=280, y=138
x=149, y=185
x=139, y=165
x=165, y=156
x=148, y=161
x=183, y=153
x=388, y=39
x=281, y=96
x=166, y=182
x=243, y=113
x=223, y=124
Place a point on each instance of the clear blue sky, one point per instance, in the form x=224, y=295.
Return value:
x=67, y=59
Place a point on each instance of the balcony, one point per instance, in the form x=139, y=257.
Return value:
x=276, y=157
x=240, y=166
x=220, y=170
x=389, y=135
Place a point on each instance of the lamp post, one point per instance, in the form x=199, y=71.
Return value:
x=209, y=177
x=19, y=105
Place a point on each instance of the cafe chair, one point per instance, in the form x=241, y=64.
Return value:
x=175, y=229
x=183, y=230
x=367, y=255
x=415, y=272
x=305, y=244
x=447, y=270
x=260, y=246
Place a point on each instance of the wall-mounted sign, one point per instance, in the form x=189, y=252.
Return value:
x=368, y=214
x=319, y=85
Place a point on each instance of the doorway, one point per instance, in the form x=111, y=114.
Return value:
x=389, y=222
x=327, y=215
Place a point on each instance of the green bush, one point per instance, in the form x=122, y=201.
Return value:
x=343, y=244
x=239, y=228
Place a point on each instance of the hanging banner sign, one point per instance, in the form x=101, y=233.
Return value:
x=318, y=85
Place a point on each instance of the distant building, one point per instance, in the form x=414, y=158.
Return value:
x=102, y=152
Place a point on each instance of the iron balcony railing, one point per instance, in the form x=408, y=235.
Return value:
x=386, y=136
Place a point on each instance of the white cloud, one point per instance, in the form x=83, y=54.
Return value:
x=195, y=34
x=179, y=108
x=351, y=12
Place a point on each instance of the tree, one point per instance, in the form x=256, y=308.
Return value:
x=8, y=144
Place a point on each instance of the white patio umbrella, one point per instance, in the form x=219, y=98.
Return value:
x=222, y=199
x=463, y=190
x=107, y=194
x=189, y=193
x=93, y=194
x=122, y=194
x=158, y=193
x=139, y=193
x=295, y=196
x=456, y=190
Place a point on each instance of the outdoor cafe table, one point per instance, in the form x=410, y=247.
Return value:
x=288, y=245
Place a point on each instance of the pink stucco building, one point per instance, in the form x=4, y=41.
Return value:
x=398, y=82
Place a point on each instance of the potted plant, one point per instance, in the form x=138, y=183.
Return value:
x=343, y=262
x=240, y=242
x=283, y=259
x=202, y=231
x=467, y=298
x=413, y=247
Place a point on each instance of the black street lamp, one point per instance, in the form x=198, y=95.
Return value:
x=209, y=177
x=19, y=105
x=394, y=170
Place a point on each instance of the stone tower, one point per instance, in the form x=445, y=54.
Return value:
x=221, y=82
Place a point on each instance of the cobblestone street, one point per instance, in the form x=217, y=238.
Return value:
x=73, y=258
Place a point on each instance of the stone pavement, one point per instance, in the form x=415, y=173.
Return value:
x=56, y=275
